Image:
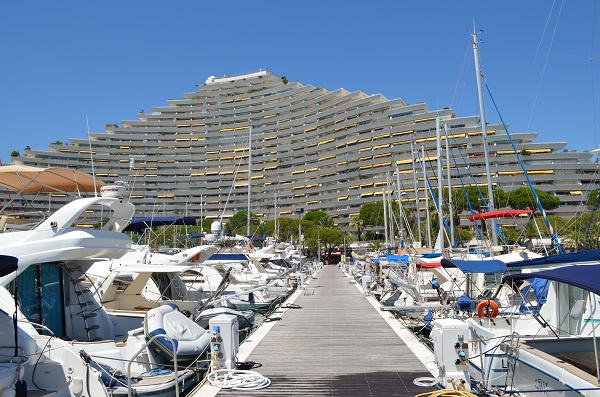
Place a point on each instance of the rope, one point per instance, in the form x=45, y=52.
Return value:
x=237, y=379
x=458, y=391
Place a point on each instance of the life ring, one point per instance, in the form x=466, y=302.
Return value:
x=487, y=308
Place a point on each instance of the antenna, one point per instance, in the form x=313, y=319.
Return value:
x=87, y=122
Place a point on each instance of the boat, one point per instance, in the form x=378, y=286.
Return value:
x=547, y=346
x=66, y=339
x=140, y=281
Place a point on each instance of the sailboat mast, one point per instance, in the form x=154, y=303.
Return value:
x=412, y=154
x=249, y=176
x=385, y=220
x=479, y=74
x=450, y=214
x=428, y=225
x=440, y=237
x=276, y=231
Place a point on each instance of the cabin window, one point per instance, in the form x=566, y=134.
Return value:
x=40, y=297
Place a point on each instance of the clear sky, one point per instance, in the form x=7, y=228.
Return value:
x=106, y=60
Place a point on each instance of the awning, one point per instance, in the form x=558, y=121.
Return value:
x=32, y=180
x=481, y=266
x=583, y=276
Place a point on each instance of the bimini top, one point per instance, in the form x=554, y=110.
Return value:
x=480, y=266
x=583, y=276
x=32, y=180
x=499, y=214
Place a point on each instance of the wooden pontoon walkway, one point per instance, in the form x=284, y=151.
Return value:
x=337, y=343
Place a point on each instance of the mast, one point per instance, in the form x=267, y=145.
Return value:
x=479, y=74
x=276, y=232
x=385, y=218
x=388, y=202
x=439, y=243
x=412, y=154
x=450, y=214
x=428, y=225
x=401, y=237
x=249, y=176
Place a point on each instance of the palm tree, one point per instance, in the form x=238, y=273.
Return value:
x=359, y=224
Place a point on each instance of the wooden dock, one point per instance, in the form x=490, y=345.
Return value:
x=333, y=341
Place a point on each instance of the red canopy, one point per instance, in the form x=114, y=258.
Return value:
x=429, y=265
x=499, y=214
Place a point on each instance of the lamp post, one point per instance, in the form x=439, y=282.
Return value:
x=319, y=243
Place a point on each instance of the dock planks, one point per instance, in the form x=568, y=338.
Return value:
x=335, y=344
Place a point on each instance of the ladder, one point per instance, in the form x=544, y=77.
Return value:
x=512, y=353
x=85, y=299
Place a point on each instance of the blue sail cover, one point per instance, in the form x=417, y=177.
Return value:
x=482, y=266
x=570, y=258
x=583, y=276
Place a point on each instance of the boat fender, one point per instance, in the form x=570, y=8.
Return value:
x=464, y=303
x=487, y=308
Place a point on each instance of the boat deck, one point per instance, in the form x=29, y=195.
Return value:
x=333, y=341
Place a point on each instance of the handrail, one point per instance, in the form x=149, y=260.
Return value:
x=144, y=348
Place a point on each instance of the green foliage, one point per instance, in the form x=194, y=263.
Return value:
x=523, y=199
x=462, y=235
x=476, y=199
x=319, y=218
x=511, y=235
x=15, y=153
x=591, y=199
x=238, y=223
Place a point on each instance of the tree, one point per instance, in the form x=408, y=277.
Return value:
x=476, y=197
x=288, y=228
x=15, y=153
x=319, y=218
x=238, y=223
x=591, y=199
x=358, y=223
x=330, y=239
x=522, y=199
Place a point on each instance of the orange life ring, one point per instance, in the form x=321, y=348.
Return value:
x=487, y=308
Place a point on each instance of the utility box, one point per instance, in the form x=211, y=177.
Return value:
x=366, y=283
x=224, y=341
x=451, y=351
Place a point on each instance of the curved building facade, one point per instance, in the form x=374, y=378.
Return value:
x=310, y=147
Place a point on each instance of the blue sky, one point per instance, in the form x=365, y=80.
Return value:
x=65, y=60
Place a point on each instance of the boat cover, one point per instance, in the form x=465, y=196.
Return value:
x=583, y=276
x=481, y=266
x=570, y=258
x=186, y=337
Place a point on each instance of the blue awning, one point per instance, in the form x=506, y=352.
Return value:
x=139, y=224
x=481, y=266
x=583, y=276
